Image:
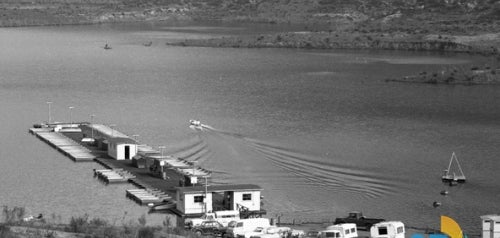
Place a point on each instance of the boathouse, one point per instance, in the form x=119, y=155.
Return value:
x=118, y=145
x=491, y=226
x=196, y=200
x=121, y=148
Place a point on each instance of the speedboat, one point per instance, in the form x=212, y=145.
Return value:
x=194, y=123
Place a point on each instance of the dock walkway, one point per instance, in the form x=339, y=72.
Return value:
x=147, y=196
x=65, y=145
x=113, y=175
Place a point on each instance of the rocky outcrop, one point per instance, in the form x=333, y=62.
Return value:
x=454, y=76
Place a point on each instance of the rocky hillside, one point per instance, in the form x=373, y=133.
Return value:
x=374, y=15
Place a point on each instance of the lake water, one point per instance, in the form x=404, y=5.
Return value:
x=320, y=131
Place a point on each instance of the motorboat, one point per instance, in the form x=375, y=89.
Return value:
x=194, y=123
x=166, y=205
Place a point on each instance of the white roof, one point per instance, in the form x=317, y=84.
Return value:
x=492, y=217
x=109, y=132
x=389, y=223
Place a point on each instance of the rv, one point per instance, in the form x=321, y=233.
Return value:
x=247, y=225
x=389, y=229
x=346, y=230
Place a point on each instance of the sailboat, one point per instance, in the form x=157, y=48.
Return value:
x=452, y=177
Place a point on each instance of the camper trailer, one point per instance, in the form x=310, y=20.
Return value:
x=389, y=229
x=346, y=230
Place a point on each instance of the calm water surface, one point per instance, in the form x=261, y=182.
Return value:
x=320, y=131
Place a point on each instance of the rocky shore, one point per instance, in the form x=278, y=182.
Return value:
x=343, y=40
x=454, y=76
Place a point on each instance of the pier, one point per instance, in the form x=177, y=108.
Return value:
x=68, y=139
x=160, y=179
x=64, y=144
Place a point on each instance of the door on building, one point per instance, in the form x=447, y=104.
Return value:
x=127, y=152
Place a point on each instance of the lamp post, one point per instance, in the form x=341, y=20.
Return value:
x=161, y=147
x=193, y=162
x=206, y=192
x=49, y=119
x=112, y=129
x=136, y=142
x=70, y=115
x=92, y=124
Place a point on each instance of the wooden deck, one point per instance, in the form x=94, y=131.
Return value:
x=65, y=145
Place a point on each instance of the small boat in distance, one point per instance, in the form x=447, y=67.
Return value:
x=148, y=44
x=195, y=124
x=107, y=47
x=452, y=177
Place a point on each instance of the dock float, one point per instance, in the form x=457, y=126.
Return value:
x=113, y=175
x=65, y=145
x=147, y=196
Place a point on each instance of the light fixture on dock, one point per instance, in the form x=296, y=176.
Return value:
x=161, y=147
x=71, y=115
x=112, y=126
x=136, y=142
x=92, y=124
x=49, y=119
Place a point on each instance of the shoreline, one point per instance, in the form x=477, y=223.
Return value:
x=354, y=41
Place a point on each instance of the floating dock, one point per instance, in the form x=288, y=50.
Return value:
x=147, y=196
x=113, y=175
x=65, y=145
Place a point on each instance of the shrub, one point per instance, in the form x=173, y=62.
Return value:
x=5, y=232
x=13, y=215
x=79, y=224
x=145, y=232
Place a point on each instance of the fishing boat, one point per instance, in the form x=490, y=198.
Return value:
x=452, y=177
x=107, y=47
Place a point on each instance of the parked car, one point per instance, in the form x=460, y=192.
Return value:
x=212, y=228
x=268, y=232
x=224, y=217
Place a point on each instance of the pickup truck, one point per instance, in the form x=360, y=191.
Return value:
x=357, y=218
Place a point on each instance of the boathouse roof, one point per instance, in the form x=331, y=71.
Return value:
x=494, y=217
x=107, y=131
x=220, y=188
x=121, y=140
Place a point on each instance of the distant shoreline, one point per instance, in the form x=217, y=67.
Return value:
x=348, y=40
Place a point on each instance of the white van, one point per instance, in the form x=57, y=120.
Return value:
x=346, y=230
x=247, y=225
x=388, y=229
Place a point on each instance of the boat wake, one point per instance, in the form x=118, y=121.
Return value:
x=325, y=173
x=311, y=170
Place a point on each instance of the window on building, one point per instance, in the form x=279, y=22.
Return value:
x=247, y=197
x=382, y=230
x=198, y=198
